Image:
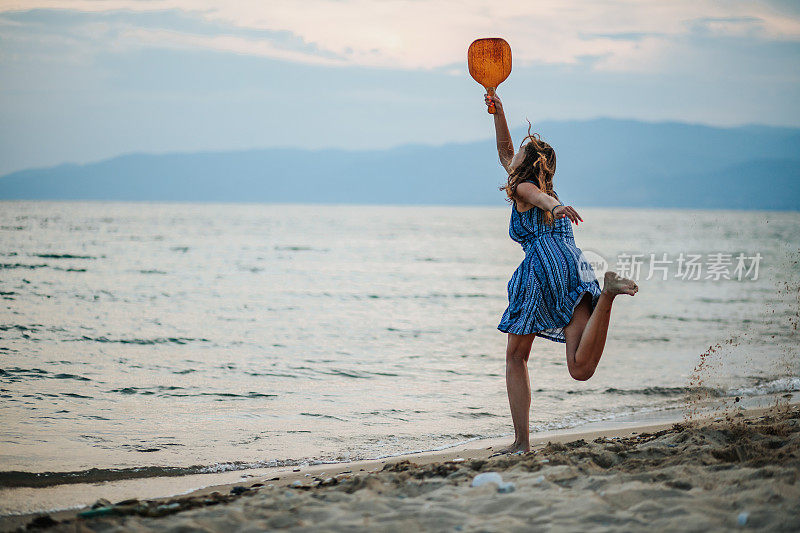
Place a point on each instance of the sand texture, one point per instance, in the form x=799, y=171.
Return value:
x=736, y=472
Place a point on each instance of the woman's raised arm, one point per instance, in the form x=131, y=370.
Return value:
x=533, y=195
x=505, y=147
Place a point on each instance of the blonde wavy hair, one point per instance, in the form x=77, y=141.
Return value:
x=538, y=166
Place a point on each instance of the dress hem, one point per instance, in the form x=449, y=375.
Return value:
x=555, y=332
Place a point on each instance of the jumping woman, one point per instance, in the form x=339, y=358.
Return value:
x=554, y=292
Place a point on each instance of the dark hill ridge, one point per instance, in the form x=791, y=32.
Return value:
x=645, y=164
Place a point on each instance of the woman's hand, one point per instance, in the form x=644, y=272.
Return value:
x=568, y=211
x=498, y=105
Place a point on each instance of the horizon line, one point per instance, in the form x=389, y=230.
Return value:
x=394, y=146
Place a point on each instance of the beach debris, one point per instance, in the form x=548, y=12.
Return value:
x=539, y=480
x=318, y=482
x=156, y=508
x=679, y=484
x=496, y=454
x=422, y=471
x=506, y=487
x=400, y=466
x=102, y=502
x=167, y=508
x=99, y=511
x=41, y=522
x=742, y=518
x=485, y=478
x=458, y=460
x=101, y=507
x=493, y=477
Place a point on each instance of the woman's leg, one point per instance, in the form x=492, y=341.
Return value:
x=585, y=334
x=518, y=386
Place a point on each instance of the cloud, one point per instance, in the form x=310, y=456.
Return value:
x=224, y=43
x=623, y=35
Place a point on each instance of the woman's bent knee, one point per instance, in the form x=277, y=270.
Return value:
x=581, y=373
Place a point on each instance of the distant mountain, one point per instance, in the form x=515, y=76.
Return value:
x=601, y=162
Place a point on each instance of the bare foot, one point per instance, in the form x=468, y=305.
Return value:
x=614, y=284
x=514, y=448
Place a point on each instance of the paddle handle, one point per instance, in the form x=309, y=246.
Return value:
x=491, y=109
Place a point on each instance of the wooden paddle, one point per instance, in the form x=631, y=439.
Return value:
x=489, y=63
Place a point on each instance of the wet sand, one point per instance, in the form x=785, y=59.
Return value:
x=741, y=470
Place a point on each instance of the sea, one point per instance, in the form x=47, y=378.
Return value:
x=150, y=340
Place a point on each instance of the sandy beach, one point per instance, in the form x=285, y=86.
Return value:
x=739, y=470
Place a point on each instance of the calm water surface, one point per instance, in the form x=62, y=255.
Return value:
x=222, y=336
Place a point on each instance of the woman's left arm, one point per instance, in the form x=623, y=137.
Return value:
x=532, y=194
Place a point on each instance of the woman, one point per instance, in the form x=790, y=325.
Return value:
x=554, y=292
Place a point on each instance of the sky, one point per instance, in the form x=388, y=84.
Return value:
x=85, y=80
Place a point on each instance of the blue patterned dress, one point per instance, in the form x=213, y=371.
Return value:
x=550, y=281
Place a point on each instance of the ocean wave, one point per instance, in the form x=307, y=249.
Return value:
x=172, y=391
x=76, y=395
x=364, y=374
x=258, y=374
x=321, y=415
x=63, y=256
x=16, y=374
x=666, y=391
x=300, y=248
x=157, y=340
x=9, y=266
x=763, y=387
x=19, y=327
x=644, y=391
x=787, y=384
x=476, y=414
x=374, y=296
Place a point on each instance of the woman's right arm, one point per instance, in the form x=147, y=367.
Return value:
x=505, y=147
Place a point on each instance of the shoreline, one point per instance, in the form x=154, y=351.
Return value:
x=283, y=478
x=16, y=479
x=69, y=498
